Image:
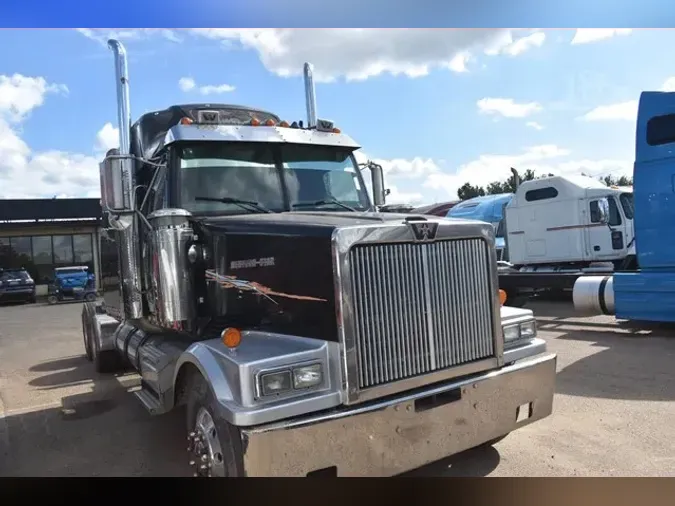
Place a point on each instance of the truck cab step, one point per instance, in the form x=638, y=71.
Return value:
x=150, y=401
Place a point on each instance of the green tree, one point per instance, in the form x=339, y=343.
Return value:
x=468, y=191
x=610, y=180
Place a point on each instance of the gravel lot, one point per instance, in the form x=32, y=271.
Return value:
x=613, y=411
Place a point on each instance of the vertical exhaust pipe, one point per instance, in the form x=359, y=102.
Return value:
x=516, y=178
x=310, y=97
x=123, y=107
x=127, y=224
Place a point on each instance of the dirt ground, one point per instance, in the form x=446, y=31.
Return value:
x=613, y=411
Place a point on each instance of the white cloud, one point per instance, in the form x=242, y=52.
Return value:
x=587, y=35
x=187, y=84
x=507, y=107
x=107, y=138
x=353, y=53
x=523, y=44
x=488, y=168
x=621, y=111
x=358, y=54
x=127, y=34
x=20, y=94
x=505, y=44
x=27, y=174
x=535, y=125
x=668, y=85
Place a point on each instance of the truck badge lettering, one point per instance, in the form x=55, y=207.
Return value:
x=425, y=231
x=248, y=264
x=232, y=282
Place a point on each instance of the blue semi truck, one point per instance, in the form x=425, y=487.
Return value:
x=646, y=292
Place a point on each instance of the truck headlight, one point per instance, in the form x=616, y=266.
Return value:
x=307, y=376
x=275, y=382
x=293, y=378
x=525, y=330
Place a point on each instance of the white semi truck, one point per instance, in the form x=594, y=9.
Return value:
x=554, y=229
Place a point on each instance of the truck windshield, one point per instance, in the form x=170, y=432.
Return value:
x=627, y=205
x=277, y=177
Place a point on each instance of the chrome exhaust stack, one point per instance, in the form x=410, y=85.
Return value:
x=310, y=96
x=123, y=107
x=126, y=222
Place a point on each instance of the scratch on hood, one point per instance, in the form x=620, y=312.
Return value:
x=252, y=286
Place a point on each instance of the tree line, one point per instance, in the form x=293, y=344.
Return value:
x=469, y=191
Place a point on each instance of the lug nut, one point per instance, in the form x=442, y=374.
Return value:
x=192, y=462
x=205, y=458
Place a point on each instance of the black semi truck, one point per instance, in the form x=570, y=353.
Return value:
x=249, y=280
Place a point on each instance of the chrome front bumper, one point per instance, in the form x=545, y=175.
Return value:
x=386, y=438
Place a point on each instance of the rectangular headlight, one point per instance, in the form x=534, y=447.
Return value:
x=307, y=376
x=525, y=330
x=528, y=330
x=511, y=333
x=275, y=382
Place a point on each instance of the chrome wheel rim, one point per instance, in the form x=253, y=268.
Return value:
x=206, y=453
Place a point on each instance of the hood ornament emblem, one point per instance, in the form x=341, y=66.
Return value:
x=424, y=230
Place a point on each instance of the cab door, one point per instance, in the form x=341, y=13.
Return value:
x=600, y=240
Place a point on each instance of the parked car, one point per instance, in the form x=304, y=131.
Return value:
x=16, y=285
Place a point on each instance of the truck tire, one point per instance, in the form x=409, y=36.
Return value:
x=214, y=445
x=107, y=361
x=87, y=339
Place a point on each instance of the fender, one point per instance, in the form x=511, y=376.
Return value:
x=232, y=375
x=100, y=326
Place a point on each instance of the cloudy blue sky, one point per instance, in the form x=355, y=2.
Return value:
x=436, y=108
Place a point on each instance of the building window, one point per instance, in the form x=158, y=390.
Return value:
x=4, y=251
x=21, y=252
x=39, y=255
x=83, y=252
x=42, y=258
x=63, y=249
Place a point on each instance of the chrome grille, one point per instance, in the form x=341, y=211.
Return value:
x=420, y=308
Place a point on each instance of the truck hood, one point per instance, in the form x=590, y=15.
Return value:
x=314, y=222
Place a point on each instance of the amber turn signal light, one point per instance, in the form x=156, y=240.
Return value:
x=502, y=297
x=231, y=337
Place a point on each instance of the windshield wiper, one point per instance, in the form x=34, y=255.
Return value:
x=323, y=203
x=244, y=204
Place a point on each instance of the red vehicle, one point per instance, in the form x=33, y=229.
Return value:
x=437, y=209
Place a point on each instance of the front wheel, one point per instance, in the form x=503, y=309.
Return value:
x=214, y=445
x=52, y=299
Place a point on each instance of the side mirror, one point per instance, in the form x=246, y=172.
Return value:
x=114, y=182
x=377, y=178
x=603, y=210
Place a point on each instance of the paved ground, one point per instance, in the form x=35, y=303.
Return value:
x=613, y=412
